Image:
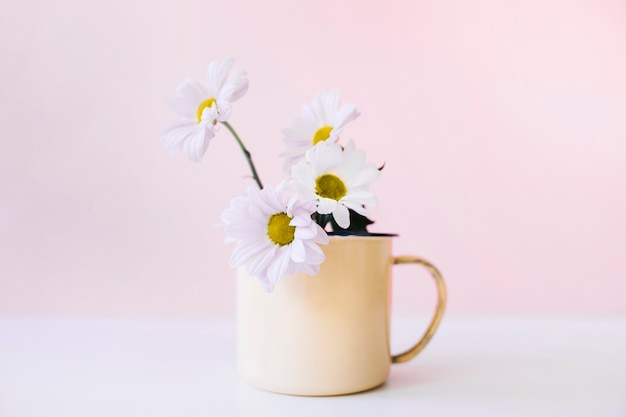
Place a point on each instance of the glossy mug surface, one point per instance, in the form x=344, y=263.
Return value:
x=326, y=334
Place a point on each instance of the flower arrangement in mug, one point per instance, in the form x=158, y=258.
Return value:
x=278, y=229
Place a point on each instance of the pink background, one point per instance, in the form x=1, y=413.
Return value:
x=502, y=126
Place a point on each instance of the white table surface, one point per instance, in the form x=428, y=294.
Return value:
x=475, y=366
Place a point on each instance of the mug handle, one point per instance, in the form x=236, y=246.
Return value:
x=439, y=309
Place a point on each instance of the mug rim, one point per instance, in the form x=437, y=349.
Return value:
x=362, y=234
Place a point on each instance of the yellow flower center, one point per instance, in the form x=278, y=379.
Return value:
x=321, y=134
x=330, y=186
x=279, y=230
x=206, y=104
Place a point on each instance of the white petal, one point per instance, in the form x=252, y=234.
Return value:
x=209, y=115
x=321, y=237
x=225, y=84
x=184, y=107
x=345, y=115
x=298, y=254
x=315, y=255
x=364, y=177
x=249, y=248
x=235, y=86
x=324, y=157
x=326, y=205
x=260, y=262
x=265, y=283
x=310, y=269
x=193, y=91
x=175, y=134
x=195, y=147
x=361, y=197
x=277, y=268
x=215, y=75
x=306, y=232
x=225, y=110
x=303, y=174
x=356, y=207
x=341, y=216
x=325, y=106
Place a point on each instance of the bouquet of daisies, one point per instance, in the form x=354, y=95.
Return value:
x=278, y=228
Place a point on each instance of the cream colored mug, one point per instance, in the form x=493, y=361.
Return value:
x=326, y=334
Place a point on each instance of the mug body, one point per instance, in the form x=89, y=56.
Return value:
x=326, y=334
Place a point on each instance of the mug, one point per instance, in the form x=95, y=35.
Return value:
x=326, y=334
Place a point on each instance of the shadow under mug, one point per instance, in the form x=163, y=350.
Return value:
x=326, y=334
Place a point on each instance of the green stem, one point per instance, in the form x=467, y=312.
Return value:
x=246, y=153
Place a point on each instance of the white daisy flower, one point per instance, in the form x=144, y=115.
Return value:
x=276, y=237
x=321, y=120
x=336, y=180
x=200, y=104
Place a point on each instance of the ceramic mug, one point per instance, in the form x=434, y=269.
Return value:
x=326, y=334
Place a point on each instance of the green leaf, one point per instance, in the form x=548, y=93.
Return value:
x=322, y=219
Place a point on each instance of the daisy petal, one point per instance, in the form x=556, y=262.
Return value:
x=196, y=145
x=326, y=205
x=342, y=216
x=298, y=253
